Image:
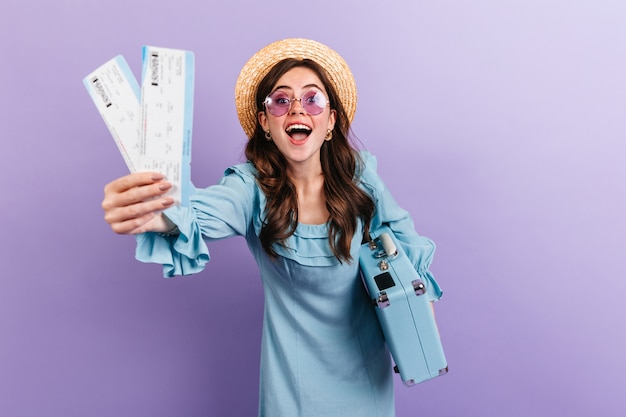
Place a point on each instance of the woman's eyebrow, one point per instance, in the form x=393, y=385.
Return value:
x=286, y=87
x=313, y=85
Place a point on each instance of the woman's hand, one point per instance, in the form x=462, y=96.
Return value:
x=132, y=204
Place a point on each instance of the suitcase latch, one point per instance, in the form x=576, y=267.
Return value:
x=419, y=287
x=383, y=300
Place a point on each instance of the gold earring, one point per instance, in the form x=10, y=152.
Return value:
x=268, y=136
x=329, y=135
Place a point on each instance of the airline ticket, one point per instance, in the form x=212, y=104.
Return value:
x=115, y=92
x=167, y=116
x=151, y=124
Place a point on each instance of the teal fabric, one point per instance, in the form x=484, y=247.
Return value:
x=322, y=350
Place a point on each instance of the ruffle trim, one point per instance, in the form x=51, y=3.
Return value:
x=183, y=254
x=308, y=245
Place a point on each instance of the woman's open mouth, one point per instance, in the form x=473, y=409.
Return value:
x=298, y=132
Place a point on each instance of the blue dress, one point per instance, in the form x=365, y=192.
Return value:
x=322, y=350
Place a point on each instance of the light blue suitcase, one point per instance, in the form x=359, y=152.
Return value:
x=405, y=314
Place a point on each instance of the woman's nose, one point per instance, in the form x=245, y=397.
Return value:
x=299, y=108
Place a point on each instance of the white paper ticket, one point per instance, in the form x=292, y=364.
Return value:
x=151, y=124
x=167, y=116
x=115, y=92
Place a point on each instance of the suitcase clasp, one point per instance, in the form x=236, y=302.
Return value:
x=383, y=300
x=419, y=287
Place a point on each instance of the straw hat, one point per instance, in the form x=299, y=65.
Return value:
x=260, y=64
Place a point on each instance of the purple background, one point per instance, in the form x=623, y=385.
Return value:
x=499, y=124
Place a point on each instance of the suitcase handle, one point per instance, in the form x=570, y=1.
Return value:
x=388, y=245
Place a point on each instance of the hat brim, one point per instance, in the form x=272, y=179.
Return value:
x=260, y=64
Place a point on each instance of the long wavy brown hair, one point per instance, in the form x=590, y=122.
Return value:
x=345, y=201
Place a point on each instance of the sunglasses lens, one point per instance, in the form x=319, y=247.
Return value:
x=314, y=102
x=278, y=103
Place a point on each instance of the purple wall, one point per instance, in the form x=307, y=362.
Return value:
x=499, y=125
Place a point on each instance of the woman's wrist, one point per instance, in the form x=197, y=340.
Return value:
x=168, y=227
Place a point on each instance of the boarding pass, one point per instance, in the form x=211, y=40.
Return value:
x=116, y=94
x=151, y=123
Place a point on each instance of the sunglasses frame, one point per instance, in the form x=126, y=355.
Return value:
x=269, y=103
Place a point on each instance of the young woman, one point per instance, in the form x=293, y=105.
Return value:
x=303, y=201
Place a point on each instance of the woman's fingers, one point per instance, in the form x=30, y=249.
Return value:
x=133, y=180
x=123, y=214
x=131, y=202
x=133, y=188
x=136, y=225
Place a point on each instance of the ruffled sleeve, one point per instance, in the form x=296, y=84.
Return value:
x=216, y=212
x=419, y=249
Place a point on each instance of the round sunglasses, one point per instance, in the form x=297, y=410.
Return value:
x=278, y=103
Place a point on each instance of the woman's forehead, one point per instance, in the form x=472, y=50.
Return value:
x=299, y=78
